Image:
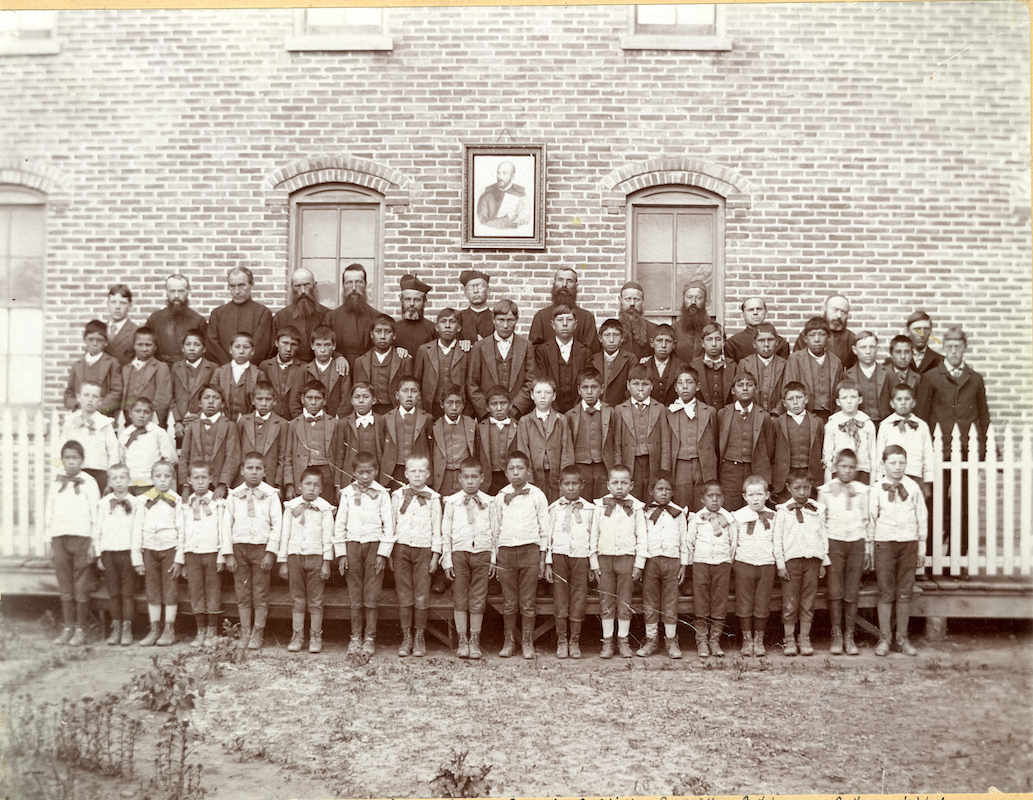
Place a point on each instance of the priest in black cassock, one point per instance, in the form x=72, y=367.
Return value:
x=413, y=329
x=240, y=315
x=476, y=321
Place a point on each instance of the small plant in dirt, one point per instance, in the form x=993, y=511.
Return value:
x=167, y=687
x=174, y=778
x=225, y=651
x=456, y=778
x=691, y=785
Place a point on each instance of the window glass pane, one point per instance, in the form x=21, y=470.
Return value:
x=26, y=281
x=704, y=273
x=358, y=234
x=318, y=233
x=695, y=237
x=656, y=283
x=26, y=379
x=328, y=282
x=27, y=232
x=26, y=332
x=654, y=237
x=657, y=15
x=697, y=14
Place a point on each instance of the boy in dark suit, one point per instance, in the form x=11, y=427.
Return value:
x=336, y=387
x=312, y=442
x=145, y=376
x=238, y=378
x=285, y=373
x=544, y=435
x=746, y=442
x=361, y=431
x=496, y=438
x=693, y=440
x=716, y=372
x=96, y=367
x=919, y=328
x=264, y=431
x=441, y=364
x=562, y=358
x=817, y=368
x=592, y=424
x=799, y=439
x=120, y=333
x=613, y=363
x=454, y=441
x=382, y=366
x=406, y=432
x=663, y=366
x=643, y=439
x=211, y=438
x=899, y=362
x=873, y=379
x=767, y=367
x=189, y=377
x=503, y=359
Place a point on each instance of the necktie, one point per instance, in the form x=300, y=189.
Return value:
x=508, y=498
x=765, y=516
x=590, y=410
x=792, y=505
x=112, y=330
x=125, y=504
x=88, y=423
x=611, y=503
x=743, y=413
x=472, y=499
x=852, y=427
x=409, y=493
x=135, y=434
x=716, y=520
x=68, y=479
x=955, y=373
x=252, y=508
x=198, y=503
x=838, y=487
x=157, y=495
x=573, y=510
x=904, y=424
x=894, y=490
x=299, y=510
x=658, y=509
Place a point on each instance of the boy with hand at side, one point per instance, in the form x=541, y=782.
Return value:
x=693, y=440
x=817, y=368
x=211, y=438
x=496, y=438
x=333, y=374
x=199, y=555
x=566, y=560
x=716, y=372
x=381, y=366
x=663, y=365
x=799, y=441
x=850, y=429
x=416, y=510
x=767, y=367
x=312, y=442
x=643, y=438
x=519, y=541
x=872, y=378
x=505, y=358
x=903, y=428
x=156, y=536
x=754, y=567
x=846, y=503
x=617, y=537
x=663, y=565
x=592, y=425
x=746, y=441
x=897, y=518
x=189, y=377
x=71, y=519
x=285, y=373
x=145, y=376
x=711, y=537
x=116, y=517
x=801, y=554
x=363, y=533
x=406, y=431
x=97, y=367
x=545, y=436
x=95, y=432
x=454, y=437
x=264, y=431
x=900, y=363
x=237, y=378
x=254, y=517
x=466, y=554
x=361, y=431
x=142, y=443
x=441, y=364
x=613, y=363
x=305, y=550
x=562, y=357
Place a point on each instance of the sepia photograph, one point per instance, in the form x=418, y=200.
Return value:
x=516, y=401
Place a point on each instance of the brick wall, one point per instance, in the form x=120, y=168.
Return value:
x=881, y=150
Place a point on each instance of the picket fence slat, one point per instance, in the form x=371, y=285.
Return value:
x=991, y=502
x=937, y=498
x=1008, y=518
x=39, y=463
x=955, y=504
x=1026, y=525
x=10, y=544
x=22, y=474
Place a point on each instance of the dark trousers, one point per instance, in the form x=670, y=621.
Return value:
x=640, y=475
x=732, y=474
x=843, y=576
x=449, y=483
x=249, y=581
x=895, y=564
x=364, y=582
x=800, y=591
x=120, y=578
x=518, y=575
x=72, y=565
x=753, y=585
x=470, y=587
x=305, y=583
x=615, y=585
x=710, y=589
x=499, y=481
x=161, y=587
x=569, y=587
x=688, y=478
x=99, y=475
x=411, y=566
x=595, y=477
x=204, y=582
x=660, y=590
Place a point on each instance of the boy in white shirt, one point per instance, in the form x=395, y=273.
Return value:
x=850, y=429
x=566, y=560
x=754, y=567
x=143, y=443
x=711, y=536
x=116, y=517
x=663, y=564
x=156, y=535
x=95, y=432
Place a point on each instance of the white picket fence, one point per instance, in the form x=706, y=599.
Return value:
x=1000, y=488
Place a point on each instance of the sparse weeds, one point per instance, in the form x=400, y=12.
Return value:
x=691, y=785
x=167, y=687
x=174, y=778
x=455, y=778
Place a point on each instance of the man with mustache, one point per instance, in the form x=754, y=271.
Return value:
x=171, y=323
x=240, y=315
x=836, y=310
x=504, y=203
x=754, y=312
x=688, y=328
x=414, y=330
x=352, y=319
x=564, y=292
x=304, y=312
x=638, y=331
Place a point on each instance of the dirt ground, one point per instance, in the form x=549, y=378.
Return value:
x=955, y=719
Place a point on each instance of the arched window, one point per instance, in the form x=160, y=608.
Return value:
x=332, y=226
x=23, y=224
x=676, y=235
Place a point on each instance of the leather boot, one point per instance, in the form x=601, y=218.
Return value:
x=527, y=641
x=127, y=632
x=475, y=646
x=419, y=644
x=574, y=646
x=150, y=639
x=116, y=633
x=607, y=651
x=717, y=627
x=648, y=647
x=624, y=647
x=245, y=626
x=257, y=636
x=168, y=636
x=746, y=651
x=211, y=634
x=758, y=644
x=508, y=643
x=885, y=629
x=805, y=639
x=836, y=648
x=562, y=650
x=79, y=638
x=463, y=651
x=405, y=648
x=903, y=618
x=198, y=640
x=315, y=633
x=789, y=647
x=849, y=622
x=297, y=633
x=835, y=619
x=701, y=637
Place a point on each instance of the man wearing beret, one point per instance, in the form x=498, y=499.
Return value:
x=476, y=320
x=919, y=328
x=413, y=329
x=564, y=292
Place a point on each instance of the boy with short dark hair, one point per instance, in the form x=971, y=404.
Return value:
x=711, y=535
x=142, y=444
x=746, y=441
x=97, y=367
x=693, y=427
x=381, y=366
x=189, y=377
x=545, y=436
x=663, y=564
x=519, y=541
x=496, y=438
x=903, y=428
x=592, y=426
x=503, y=359
x=211, y=438
x=663, y=365
x=872, y=378
x=850, y=429
x=754, y=567
x=116, y=519
x=441, y=364
x=716, y=371
x=312, y=442
x=566, y=560
x=561, y=357
x=95, y=432
x=817, y=368
x=323, y=368
x=799, y=441
x=613, y=363
x=156, y=537
x=238, y=377
x=767, y=367
x=453, y=435
x=900, y=363
x=358, y=432
x=145, y=376
x=263, y=430
x=406, y=431
x=643, y=439
x=285, y=373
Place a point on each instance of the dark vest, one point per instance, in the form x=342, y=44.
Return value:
x=799, y=443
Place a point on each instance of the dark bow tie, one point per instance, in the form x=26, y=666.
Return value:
x=472, y=500
x=135, y=434
x=508, y=498
x=409, y=493
x=590, y=410
x=197, y=503
x=765, y=516
x=851, y=427
x=715, y=517
x=157, y=495
x=370, y=492
x=611, y=503
x=792, y=505
x=125, y=504
x=904, y=424
x=573, y=507
x=658, y=509
x=76, y=482
x=895, y=490
x=300, y=509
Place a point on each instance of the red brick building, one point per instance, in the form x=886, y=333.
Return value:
x=880, y=150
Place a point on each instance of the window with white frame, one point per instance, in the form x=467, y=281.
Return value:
x=335, y=29
x=333, y=226
x=698, y=26
x=29, y=33
x=23, y=221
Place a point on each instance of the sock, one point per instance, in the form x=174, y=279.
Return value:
x=170, y=614
x=154, y=612
x=421, y=618
x=460, y=619
x=652, y=630
x=405, y=617
x=475, y=622
x=671, y=630
x=623, y=628
x=608, y=628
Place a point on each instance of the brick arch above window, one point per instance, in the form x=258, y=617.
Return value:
x=280, y=184
x=55, y=184
x=615, y=187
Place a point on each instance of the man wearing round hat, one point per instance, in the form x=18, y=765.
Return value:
x=413, y=329
x=476, y=320
x=919, y=329
x=638, y=331
x=564, y=292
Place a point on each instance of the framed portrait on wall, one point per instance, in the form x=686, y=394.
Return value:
x=504, y=196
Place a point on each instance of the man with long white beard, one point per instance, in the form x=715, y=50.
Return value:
x=638, y=331
x=564, y=292
x=413, y=329
x=688, y=328
x=171, y=323
x=304, y=312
